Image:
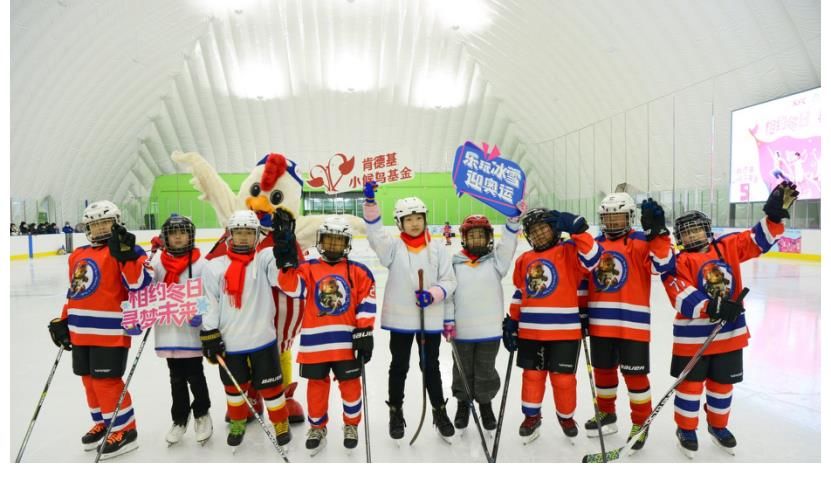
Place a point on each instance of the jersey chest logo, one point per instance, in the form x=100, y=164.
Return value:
x=540, y=278
x=332, y=296
x=611, y=272
x=85, y=278
x=716, y=278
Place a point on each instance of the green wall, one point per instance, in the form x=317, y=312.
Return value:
x=174, y=194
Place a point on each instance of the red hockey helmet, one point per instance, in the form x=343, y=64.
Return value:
x=477, y=221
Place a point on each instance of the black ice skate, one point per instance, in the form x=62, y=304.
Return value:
x=94, y=436
x=636, y=428
x=315, y=440
x=529, y=430
x=462, y=414
x=488, y=418
x=397, y=422
x=607, y=423
x=687, y=442
x=350, y=436
x=283, y=432
x=119, y=442
x=442, y=423
x=723, y=438
x=236, y=432
x=569, y=427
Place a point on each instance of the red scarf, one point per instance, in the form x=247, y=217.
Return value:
x=469, y=255
x=416, y=242
x=235, y=275
x=174, y=266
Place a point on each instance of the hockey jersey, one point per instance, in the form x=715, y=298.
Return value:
x=400, y=312
x=98, y=284
x=545, y=301
x=175, y=341
x=701, y=277
x=249, y=328
x=477, y=304
x=618, y=290
x=339, y=298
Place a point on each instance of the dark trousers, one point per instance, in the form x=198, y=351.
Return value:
x=400, y=346
x=184, y=372
x=479, y=362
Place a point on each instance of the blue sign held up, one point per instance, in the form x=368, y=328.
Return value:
x=495, y=181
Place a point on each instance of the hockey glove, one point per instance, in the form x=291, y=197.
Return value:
x=780, y=200
x=59, y=331
x=724, y=309
x=571, y=224
x=362, y=344
x=423, y=298
x=449, y=331
x=196, y=321
x=653, y=219
x=370, y=187
x=133, y=330
x=510, y=329
x=122, y=244
x=212, y=344
x=156, y=243
x=285, y=242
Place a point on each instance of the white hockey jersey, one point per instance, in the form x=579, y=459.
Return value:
x=399, y=312
x=251, y=327
x=173, y=341
x=478, y=304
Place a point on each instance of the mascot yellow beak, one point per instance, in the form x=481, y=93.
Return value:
x=259, y=204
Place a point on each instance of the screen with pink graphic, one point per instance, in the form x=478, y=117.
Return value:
x=776, y=141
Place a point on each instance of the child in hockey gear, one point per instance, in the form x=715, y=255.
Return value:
x=100, y=276
x=239, y=324
x=447, y=231
x=403, y=301
x=473, y=315
x=703, y=288
x=618, y=293
x=340, y=314
x=544, y=313
x=179, y=261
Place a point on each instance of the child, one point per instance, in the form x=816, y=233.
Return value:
x=473, y=315
x=100, y=276
x=340, y=313
x=618, y=304
x=703, y=289
x=403, y=301
x=180, y=345
x=447, y=231
x=239, y=322
x=544, y=323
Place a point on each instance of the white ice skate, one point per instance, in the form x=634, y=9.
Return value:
x=204, y=428
x=176, y=433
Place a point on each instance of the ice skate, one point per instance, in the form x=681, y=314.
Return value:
x=283, y=433
x=315, y=440
x=607, y=423
x=687, y=442
x=350, y=436
x=119, y=442
x=94, y=436
x=529, y=430
x=236, y=433
x=569, y=427
x=641, y=439
x=443, y=425
x=460, y=421
x=723, y=438
x=204, y=428
x=397, y=422
x=176, y=432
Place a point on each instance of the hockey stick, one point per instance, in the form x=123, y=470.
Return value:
x=123, y=394
x=40, y=404
x=470, y=400
x=618, y=452
x=423, y=362
x=251, y=407
x=594, y=397
x=366, y=411
x=502, y=407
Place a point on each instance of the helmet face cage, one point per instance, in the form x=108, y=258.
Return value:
x=96, y=215
x=178, y=224
x=334, y=239
x=689, y=227
x=616, y=212
x=477, y=235
x=239, y=221
x=540, y=216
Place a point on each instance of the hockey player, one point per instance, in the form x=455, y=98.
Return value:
x=403, y=300
x=239, y=323
x=179, y=261
x=447, y=232
x=544, y=324
x=339, y=316
x=473, y=315
x=703, y=288
x=100, y=276
x=618, y=306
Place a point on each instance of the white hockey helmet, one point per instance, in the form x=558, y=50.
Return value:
x=409, y=206
x=96, y=212
x=612, y=204
x=337, y=226
x=244, y=219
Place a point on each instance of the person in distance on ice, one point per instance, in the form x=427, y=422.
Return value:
x=179, y=261
x=239, y=325
x=544, y=323
x=473, y=315
x=403, y=300
x=100, y=276
x=703, y=288
x=618, y=306
x=338, y=321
